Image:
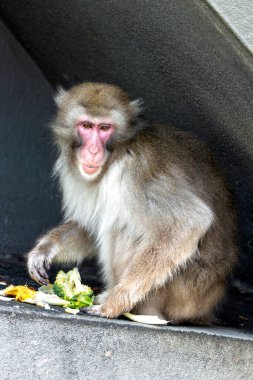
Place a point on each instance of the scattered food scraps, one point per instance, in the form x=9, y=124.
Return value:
x=21, y=292
x=41, y=299
x=148, y=319
x=2, y=298
x=67, y=291
x=71, y=311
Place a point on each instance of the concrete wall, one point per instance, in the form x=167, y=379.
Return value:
x=27, y=203
x=176, y=55
x=238, y=14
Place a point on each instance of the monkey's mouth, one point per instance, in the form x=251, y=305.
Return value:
x=90, y=169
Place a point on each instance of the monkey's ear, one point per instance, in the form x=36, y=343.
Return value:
x=59, y=96
x=137, y=107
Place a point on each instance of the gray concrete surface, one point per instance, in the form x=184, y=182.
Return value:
x=238, y=14
x=39, y=344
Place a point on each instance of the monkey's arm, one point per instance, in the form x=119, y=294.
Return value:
x=65, y=243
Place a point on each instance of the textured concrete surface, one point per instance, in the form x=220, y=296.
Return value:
x=176, y=55
x=48, y=344
x=238, y=14
x=26, y=193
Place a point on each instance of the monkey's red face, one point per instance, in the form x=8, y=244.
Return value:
x=92, y=122
x=94, y=133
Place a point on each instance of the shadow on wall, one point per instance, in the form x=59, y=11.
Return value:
x=27, y=197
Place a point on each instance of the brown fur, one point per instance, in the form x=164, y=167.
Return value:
x=175, y=256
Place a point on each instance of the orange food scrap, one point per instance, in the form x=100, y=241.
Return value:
x=20, y=292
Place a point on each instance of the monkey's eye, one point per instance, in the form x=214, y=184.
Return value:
x=86, y=125
x=104, y=127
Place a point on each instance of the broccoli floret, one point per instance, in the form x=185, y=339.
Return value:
x=61, y=286
x=63, y=290
x=81, y=300
x=69, y=287
x=74, y=280
x=61, y=277
x=87, y=290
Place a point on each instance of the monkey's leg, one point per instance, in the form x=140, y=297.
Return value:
x=190, y=297
x=193, y=296
x=65, y=243
x=147, y=270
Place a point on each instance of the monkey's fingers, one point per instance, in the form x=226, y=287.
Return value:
x=36, y=264
x=95, y=310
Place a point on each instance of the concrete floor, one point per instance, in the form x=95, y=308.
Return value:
x=50, y=344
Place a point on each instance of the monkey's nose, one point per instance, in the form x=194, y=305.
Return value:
x=93, y=149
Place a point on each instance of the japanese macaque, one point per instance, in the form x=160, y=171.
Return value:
x=147, y=200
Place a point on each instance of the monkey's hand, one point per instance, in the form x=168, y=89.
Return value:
x=65, y=243
x=39, y=260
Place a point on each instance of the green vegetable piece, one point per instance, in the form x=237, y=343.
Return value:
x=81, y=300
x=68, y=286
x=63, y=290
x=74, y=280
x=61, y=286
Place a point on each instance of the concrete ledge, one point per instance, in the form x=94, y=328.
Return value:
x=49, y=344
